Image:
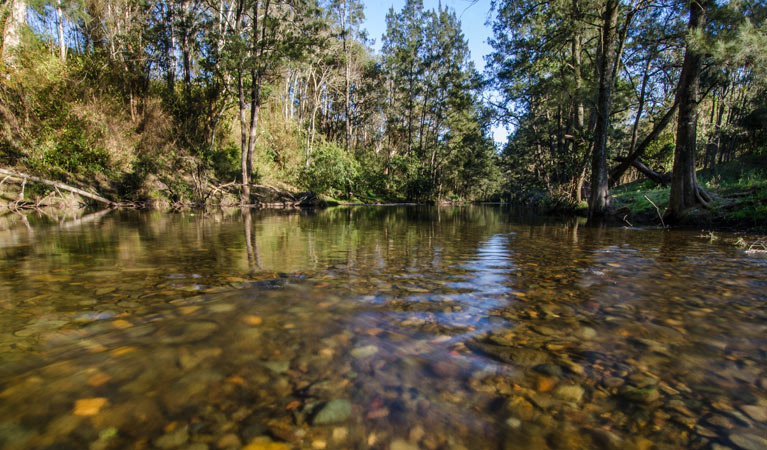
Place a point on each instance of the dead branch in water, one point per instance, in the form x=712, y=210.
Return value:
x=657, y=210
x=55, y=184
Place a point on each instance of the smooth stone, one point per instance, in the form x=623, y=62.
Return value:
x=13, y=434
x=184, y=333
x=401, y=444
x=513, y=422
x=642, y=381
x=748, y=441
x=340, y=433
x=280, y=366
x=175, y=438
x=229, y=440
x=551, y=370
x=334, y=411
x=528, y=356
x=416, y=433
x=522, y=409
x=573, y=393
x=634, y=394
x=190, y=359
x=756, y=412
x=606, y=439
x=364, y=351
x=544, y=330
x=197, y=446
x=267, y=446
x=586, y=333
x=719, y=421
x=221, y=308
x=613, y=382
x=445, y=369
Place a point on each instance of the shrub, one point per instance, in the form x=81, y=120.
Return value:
x=331, y=171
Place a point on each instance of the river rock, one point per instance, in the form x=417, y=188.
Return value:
x=748, y=441
x=228, y=441
x=278, y=367
x=175, y=438
x=551, y=370
x=647, y=395
x=756, y=412
x=184, y=333
x=586, y=333
x=571, y=393
x=613, y=382
x=401, y=444
x=334, y=411
x=364, y=351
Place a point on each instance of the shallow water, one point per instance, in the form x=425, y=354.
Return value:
x=376, y=327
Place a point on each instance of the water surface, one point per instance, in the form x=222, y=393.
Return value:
x=376, y=328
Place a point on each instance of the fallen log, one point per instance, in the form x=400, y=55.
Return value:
x=625, y=163
x=58, y=185
x=658, y=177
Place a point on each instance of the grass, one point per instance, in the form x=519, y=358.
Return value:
x=739, y=189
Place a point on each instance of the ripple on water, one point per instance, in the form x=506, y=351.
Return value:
x=378, y=328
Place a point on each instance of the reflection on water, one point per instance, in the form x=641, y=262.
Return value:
x=390, y=327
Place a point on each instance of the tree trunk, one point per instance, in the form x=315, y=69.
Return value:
x=576, y=56
x=186, y=51
x=685, y=191
x=618, y=172
x=599, y=186
x=60, y=27
x=170, y=75
x=16, y=19
x=640, y=107
x=347, y=81
x=243, y=140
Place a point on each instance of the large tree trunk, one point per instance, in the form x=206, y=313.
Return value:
x=599, y=186
x=15, y=20
x=685, y=191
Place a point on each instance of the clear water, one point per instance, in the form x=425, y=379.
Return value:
x=375, y=328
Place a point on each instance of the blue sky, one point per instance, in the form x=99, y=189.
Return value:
x=472, y=14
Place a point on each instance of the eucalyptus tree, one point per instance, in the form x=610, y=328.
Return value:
x=347, y=16
x=433, y=117
x=723, y=39
x=13, y=16
x=543, y=66
x=265, y=34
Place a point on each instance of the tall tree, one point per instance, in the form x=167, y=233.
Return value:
x=685, y=190
x=13, y=16
x=607, y=64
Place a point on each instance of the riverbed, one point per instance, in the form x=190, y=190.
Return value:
x=461, y=327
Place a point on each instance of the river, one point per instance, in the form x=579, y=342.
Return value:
x=470, y=327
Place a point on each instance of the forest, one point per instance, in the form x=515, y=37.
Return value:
x=203, y=101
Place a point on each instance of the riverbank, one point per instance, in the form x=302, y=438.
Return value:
x=738, y=189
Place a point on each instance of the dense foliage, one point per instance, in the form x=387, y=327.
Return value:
x=594, y=88
x=173, y=97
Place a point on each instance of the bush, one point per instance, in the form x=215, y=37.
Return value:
x=331, y=171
